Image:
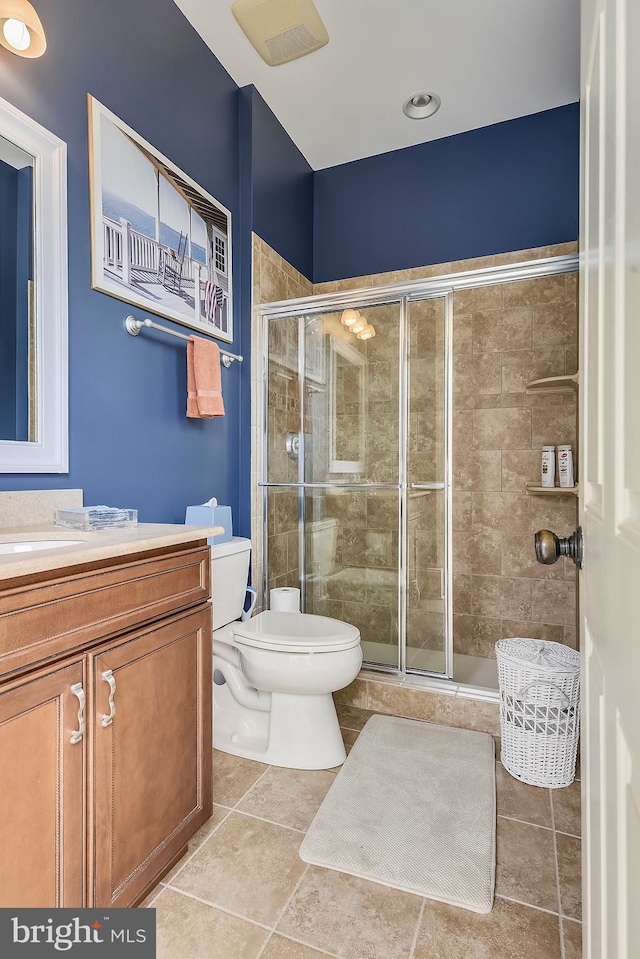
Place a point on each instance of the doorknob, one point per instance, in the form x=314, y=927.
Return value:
x=549, y=547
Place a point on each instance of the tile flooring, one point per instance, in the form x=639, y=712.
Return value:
x=242, y=892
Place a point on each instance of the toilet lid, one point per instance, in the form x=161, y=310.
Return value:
x=296, y=633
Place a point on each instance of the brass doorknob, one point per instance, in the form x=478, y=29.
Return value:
x=549, y=547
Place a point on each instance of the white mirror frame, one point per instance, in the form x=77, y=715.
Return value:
x=50, y=452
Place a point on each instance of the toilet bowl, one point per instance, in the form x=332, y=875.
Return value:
x=274, y=675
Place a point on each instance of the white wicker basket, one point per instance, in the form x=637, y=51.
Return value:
x=539, y=710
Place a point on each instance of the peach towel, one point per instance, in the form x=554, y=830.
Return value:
x=204, y=386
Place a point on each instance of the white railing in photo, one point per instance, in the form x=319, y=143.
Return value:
x=126, y=250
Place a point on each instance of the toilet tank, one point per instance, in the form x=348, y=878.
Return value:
x=229, y=576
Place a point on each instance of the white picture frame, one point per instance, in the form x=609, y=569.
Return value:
x=158, y=240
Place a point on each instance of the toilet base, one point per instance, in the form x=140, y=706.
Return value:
x=298, y=732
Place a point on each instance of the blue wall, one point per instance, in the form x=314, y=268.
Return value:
x=509, y=186
x=130, y=442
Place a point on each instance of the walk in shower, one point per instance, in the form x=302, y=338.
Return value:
x=357, y=475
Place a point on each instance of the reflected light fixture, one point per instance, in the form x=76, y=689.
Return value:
x=359, y=326
x=368, y=333
x=349, y=318
x=21, y=31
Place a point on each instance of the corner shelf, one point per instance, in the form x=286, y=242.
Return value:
x=555, y=384
x=534, y=490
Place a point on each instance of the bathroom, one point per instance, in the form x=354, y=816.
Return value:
x=469, y=228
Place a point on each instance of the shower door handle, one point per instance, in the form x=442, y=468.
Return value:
x=426, y=486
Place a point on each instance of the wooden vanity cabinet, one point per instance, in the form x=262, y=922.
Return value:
x=105, y=756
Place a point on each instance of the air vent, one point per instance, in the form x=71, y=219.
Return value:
x=281, y=30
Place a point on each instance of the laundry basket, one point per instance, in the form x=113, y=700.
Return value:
x=539, y=710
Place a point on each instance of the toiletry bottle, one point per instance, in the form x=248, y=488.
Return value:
x=565, y=466
x=548, y=465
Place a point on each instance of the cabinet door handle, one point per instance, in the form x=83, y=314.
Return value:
x=107, y=675
x=78, y=733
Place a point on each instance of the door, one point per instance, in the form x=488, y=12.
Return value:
x=42, y=763
x=151, y=752
x=610, y=475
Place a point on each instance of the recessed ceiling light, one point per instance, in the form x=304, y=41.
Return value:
x=421, y=105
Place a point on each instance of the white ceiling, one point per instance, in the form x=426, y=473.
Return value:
x=489, y=60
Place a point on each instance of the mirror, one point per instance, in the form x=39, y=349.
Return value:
x=347, y=372
x=33, y=297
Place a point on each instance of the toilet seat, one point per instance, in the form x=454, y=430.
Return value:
x=296, y=633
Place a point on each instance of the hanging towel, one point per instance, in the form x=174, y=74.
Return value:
x=204, y=386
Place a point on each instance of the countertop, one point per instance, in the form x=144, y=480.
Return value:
x=90, y=547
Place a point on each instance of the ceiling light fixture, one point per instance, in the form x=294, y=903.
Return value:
x=421, y=105
x=21, y=31
x=359, y=326
x=368, y=333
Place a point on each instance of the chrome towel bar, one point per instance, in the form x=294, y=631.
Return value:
x=134, y=326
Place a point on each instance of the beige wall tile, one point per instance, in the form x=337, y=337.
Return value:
x=477, y=635
x=462, y=511
x=502, y=597
x=572, y=939
x=477, y=373
x=477, y=469
x=520, y=467
x=519, y=367
x=478, y=551
x=553, y=426
x=355, y=694
x=502, y=511
x=463, y=333
x=502, y=330
x=479, y=298
x=538, y=291
x=555, y=324
x=553, y=602
x=502, y=429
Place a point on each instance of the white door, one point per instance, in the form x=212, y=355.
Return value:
x=610, y=475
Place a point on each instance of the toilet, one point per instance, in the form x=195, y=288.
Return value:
x=274, y=674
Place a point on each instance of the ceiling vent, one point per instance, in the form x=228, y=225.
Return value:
x=281, y=30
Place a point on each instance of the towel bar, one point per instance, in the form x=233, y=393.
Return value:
x=134, y=326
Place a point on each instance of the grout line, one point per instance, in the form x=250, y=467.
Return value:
x=290, y=899
x=525, y=822
x=301, y=942
x=264, y=945
x=250, y=815
x=557, y=869
x=187, y=859
x=572, y=835
x=215, y=905
x=529, y=905
x=417, y=929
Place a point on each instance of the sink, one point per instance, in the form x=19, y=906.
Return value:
x=33, y=545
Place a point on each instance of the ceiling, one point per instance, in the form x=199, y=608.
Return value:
x=489, y=60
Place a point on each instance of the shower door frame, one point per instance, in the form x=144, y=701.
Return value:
x=404, y=294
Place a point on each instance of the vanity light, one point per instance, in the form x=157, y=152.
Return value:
x=349, y=318
x=358, y=327
x=368, y=333
x=20, y=29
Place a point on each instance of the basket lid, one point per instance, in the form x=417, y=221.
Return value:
x=538, y=653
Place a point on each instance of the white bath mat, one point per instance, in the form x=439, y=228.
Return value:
x=413, y=807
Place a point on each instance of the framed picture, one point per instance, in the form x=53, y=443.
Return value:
x=158, y=240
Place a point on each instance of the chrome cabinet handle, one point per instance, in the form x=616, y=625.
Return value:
x=78, y=733
x=107, y=675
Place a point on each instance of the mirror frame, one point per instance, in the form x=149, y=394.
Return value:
x=50, y=451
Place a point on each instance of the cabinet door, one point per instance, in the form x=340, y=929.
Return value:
x=42, y=791
x=151, y=747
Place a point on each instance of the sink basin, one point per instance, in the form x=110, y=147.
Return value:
x=33, y=545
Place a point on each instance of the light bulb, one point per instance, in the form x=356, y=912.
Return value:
x=17, y=34
x=368, y=333
x=359, y=326
x=349, y=318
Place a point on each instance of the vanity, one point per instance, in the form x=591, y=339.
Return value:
x=105, y=710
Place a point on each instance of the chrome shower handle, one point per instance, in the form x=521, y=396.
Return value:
x=108, y=677
x=78, y=733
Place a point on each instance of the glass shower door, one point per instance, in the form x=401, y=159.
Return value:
x=427, y=494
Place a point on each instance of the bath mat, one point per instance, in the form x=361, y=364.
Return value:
x=413, y=807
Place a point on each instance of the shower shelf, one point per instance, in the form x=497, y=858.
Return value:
x=534, y=490
x=555, y=384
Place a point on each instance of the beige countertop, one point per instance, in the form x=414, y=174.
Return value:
x=89, y=547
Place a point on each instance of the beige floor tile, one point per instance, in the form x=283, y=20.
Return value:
x=351, y=717
x=233, y=776
x=570, y=874
x=525, y=867
x=351, y=918
x=510, y=931
x=572, y=939
x=349, y=736
x=519, y=801
x=186, y=927
x=248, y=866
x=280, y=948
x=290, y=797
x=219, y=813
x=567, y=809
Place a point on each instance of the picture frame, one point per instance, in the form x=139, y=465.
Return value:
x=158, y=240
